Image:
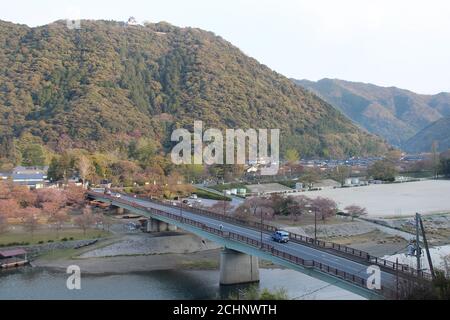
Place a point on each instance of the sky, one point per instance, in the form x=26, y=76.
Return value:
x=402, y=43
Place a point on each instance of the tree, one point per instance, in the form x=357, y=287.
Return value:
x=355, y=211
x=8, y=207
x=222, y=207
x=298, y=205
x=85, y=220
x=176, y=186
x=278, y=203
x=383, y=170
x=242, y=213
x=31, y=219
x=100, y=220
x=435, y=158
x=61, y=168
x=311, y=175
x=445, y=167
x=153, y=191
x=24, y=196
x=54, y=204
x=292, y=156
x=258, y=207
x=254, y=293
x=58, y=219
x=75, y=195
x=341, y=173
x=324, y=207
x=84, y=165
x=393, y=155
x=5, y=189
x=33, y=155
x=3, y=223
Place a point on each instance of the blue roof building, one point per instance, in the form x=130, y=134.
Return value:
x=29, y=176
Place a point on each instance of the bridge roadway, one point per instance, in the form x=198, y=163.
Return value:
x=305, y=252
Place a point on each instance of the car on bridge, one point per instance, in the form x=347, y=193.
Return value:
x=280, y=236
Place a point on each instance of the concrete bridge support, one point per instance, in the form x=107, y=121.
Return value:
x=154, y=225
x=237, y=267
x=117, y=210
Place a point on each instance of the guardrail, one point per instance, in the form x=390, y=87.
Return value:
x=360, y=255
x=349, y=277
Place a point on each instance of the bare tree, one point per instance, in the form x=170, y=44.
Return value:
x=355, y=211
x=242, y=213
x=297, y=206
x=101, y=220
x=58, y=218
x=324, y=207
x=31, y=219
x=222, y=207
x=3, y=223
x=85, y=220
x=254, y=203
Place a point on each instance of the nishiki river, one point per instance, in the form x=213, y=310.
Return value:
x=40, y=283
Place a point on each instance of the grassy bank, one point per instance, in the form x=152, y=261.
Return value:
x=46, y=235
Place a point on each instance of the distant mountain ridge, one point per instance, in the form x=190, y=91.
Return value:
x=101, y=86
x=392, y=113
x=438, y=131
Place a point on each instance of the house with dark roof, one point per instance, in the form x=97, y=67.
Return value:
x=32, y=177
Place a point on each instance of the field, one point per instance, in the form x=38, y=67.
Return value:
x=393, y=200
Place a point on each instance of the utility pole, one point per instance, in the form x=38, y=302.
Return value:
x=224, y=197
x=261, y=211
x=315, y=225
x=418, y=253
x=396, y=274
x=427, y=250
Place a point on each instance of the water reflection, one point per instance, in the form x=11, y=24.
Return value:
x=39, y=283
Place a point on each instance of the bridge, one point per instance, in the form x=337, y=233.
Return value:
x=246, y=241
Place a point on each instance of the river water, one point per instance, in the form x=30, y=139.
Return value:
x=39, y=283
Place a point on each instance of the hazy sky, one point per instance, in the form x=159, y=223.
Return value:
x=403, y=43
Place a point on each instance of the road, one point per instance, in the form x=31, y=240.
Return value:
x=303, y=251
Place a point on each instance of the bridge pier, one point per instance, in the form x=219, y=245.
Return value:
x=116, y=210
x=154, y=225
x=237, y=267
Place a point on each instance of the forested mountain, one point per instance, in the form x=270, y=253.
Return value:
x=109, y=83
x=392, y=113
x=438, y=131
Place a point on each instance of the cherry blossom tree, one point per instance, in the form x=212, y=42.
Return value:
x=324, y=207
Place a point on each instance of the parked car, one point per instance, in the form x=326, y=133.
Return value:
x=117, y=195
x=280, y=236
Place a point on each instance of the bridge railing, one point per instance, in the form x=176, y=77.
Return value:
x=349, y=277
x=342, y=249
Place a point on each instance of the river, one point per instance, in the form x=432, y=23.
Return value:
x=40, y=283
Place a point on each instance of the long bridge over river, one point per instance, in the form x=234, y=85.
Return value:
x=246, y=241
